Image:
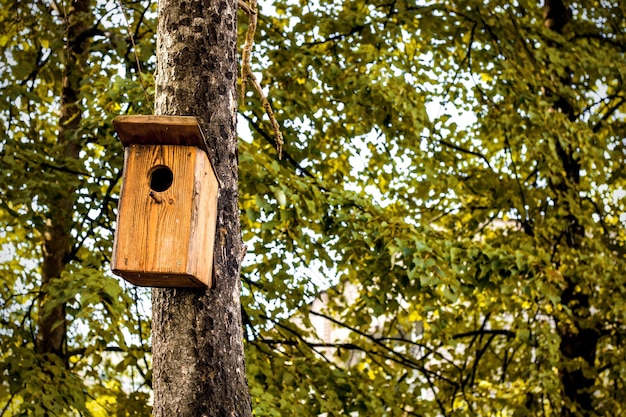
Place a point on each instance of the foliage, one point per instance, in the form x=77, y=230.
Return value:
x=432, y=167
x=452, y=183
x=104, y=368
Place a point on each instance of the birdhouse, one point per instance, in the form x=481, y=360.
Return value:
x=168, y=203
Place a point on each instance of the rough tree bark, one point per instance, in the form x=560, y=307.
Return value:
x=197, y=341
x=578, y=341
x=51, y=327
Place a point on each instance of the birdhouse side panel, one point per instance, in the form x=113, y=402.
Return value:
x=155, y=209
x=203, y=221
x=119, y=260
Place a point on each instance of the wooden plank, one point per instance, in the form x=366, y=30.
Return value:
x=203, y=221
x=159, y=130
x=153, y=228
x=161, y=280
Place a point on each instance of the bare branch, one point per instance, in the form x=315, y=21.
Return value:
x=246, y=71
x=467, y=151
x=608, y=114
x=508, y=333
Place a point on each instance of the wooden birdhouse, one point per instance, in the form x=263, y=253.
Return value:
x=168, y=203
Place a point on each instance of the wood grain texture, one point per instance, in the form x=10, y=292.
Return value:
x=203, y=220
x=159, y=130
x=158, y=232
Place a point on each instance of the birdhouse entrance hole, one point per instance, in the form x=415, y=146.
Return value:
x=161, y=178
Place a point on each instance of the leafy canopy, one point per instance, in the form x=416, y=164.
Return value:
x=459, y=166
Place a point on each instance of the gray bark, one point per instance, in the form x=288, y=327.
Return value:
x=197, y=342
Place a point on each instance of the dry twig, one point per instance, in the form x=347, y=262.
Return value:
x=246, y=70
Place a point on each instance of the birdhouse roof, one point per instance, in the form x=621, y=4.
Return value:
x=159, y=130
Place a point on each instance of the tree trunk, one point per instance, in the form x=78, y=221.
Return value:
x=578, y=343
x=51, y=329
x=197, y=345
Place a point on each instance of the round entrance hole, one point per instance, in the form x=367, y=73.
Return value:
x=161, y=178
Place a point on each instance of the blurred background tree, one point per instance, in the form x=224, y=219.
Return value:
x=74, y=340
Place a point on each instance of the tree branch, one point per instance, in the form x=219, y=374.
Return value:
x=466, y=151
x=246, y=71
x=272, y=141
x=394, y=356
x=508, y=333
x=608, y=114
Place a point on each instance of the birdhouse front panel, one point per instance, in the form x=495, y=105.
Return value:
x=166, y=217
